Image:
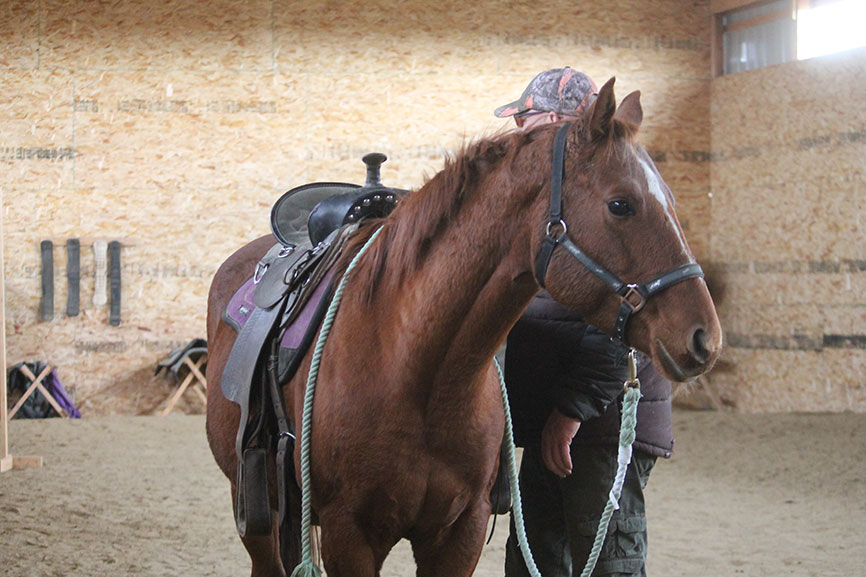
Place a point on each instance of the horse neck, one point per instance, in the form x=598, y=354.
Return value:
x=457, y=305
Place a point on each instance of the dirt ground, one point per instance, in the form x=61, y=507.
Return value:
x=757, y=495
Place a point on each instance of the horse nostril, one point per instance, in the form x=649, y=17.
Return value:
x=698, y=346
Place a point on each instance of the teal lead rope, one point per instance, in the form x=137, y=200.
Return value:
x=516, y=504
x=626, y=438
x=307, y=568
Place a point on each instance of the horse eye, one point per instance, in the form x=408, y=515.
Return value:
x=620, y=208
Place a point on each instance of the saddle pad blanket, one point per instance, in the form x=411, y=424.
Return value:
x=241, y=306
x=293, y=336
x=294, y=341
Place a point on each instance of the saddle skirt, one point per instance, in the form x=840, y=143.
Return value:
x=294, y=336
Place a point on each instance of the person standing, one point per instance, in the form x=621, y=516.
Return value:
x=565, y=382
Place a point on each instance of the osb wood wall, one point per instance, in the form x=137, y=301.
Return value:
x=173, y=126
x=788, y=234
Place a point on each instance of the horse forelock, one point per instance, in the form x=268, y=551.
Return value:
x=616, y=144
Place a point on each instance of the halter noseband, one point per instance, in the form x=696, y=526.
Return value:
x=633, y=296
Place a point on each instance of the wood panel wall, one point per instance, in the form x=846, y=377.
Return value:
x=173, y=126
x=788, y=226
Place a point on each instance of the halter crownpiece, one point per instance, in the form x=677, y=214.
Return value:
x=633, y=297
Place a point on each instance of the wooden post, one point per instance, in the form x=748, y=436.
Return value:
x=7, y=461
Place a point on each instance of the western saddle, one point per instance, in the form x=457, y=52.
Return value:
x=276, y=313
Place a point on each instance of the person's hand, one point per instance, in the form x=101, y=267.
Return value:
x=556, y=442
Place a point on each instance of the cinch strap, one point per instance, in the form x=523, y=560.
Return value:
x=73, y=276
x=114, y=282
x=47, y=248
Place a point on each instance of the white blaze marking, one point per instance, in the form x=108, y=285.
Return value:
x=655, y=188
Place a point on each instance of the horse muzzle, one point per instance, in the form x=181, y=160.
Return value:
x=696, y=355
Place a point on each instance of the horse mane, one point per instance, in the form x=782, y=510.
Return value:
x=409, y=232
x=423, y=214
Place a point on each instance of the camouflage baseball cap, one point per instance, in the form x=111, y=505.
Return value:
x=561, y=90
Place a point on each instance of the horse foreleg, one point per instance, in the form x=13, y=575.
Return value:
x=347, y=551
x=455, y=551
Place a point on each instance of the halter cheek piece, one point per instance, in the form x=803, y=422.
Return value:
x=633, y=296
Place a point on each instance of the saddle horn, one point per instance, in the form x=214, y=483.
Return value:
x=374, y=161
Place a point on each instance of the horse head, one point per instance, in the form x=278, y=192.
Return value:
x=614, y=250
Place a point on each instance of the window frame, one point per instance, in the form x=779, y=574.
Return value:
x=720, y=8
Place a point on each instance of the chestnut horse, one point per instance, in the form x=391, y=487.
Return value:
x=408, y=417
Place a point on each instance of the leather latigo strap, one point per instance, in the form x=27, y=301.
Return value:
x=47, y=250
x=290, y=527
x=114, y=282
x=73, y=276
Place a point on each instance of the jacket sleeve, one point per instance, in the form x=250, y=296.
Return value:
x=594, y=376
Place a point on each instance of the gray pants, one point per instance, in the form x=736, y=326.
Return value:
x=562, y=515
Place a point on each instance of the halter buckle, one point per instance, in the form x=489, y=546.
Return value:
x=634, y=298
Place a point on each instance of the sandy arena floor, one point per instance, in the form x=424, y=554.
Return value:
x=755, y=495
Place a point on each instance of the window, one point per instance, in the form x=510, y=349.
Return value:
x=751, y=34
x=757, y=36
x=830, y=26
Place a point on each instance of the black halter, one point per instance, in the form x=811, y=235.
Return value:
x=633, y=296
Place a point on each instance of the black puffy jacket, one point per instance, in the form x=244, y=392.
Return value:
x=555, y=359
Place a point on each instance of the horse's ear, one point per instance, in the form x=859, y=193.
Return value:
x=602, y=111
x=630, y=111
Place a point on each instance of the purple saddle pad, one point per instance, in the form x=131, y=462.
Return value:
x=241, y=305
x=297, y=336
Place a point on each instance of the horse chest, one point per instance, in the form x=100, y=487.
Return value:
x=436, y=500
